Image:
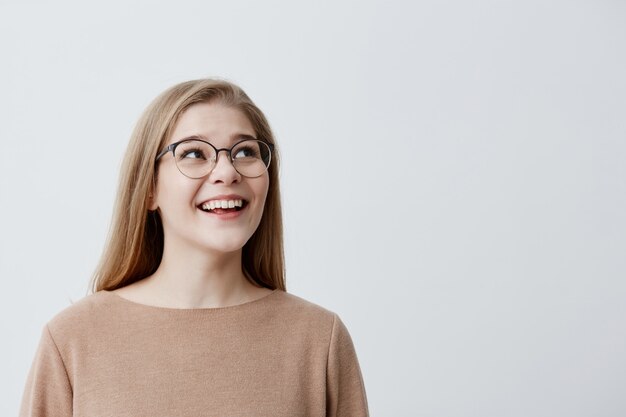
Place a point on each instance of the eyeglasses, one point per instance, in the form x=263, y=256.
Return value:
x=196, y=158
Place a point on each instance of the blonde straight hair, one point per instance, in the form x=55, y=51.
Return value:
x=135, y=243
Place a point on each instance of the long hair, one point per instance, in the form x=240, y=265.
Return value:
x=134, y=246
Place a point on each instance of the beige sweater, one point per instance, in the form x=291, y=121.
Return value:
x=276, y=356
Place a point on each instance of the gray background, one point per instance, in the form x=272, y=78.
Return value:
x=453, y=179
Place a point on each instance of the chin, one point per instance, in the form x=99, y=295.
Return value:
x=225, y=247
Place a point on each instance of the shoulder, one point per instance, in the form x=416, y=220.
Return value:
x=86, y=313
x=288, y=301
x=78, y=310
x=297, y=310
x=315, y=326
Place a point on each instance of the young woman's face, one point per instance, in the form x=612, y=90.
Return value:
x=180, y=199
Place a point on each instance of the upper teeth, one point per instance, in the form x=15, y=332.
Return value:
x=213, y=204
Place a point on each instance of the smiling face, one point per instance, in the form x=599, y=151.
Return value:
x=220, y=211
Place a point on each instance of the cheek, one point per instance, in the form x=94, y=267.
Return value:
x=259, y=188
x=173, y=193
x=263, y=189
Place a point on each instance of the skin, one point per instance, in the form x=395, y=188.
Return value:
x=201, y=264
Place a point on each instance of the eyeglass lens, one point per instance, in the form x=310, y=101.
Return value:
x=195, y=158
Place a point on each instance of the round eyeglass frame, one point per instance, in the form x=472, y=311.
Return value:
x=172, y=148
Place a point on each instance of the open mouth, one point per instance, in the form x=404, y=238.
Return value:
x=223, y=206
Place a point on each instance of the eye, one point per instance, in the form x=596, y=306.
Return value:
x=246, y=151
x=192, y=153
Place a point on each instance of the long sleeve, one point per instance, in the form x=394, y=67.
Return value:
x=48, y=392
x=345, y=395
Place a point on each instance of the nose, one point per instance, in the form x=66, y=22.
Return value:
x=224, y=171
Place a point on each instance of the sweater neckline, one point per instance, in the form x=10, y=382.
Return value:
x=121, y=300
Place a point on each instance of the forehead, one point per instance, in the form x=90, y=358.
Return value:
x=212, y=121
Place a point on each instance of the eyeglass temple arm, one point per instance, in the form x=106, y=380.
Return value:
x=164, y=151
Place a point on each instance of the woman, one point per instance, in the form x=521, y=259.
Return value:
x=189, y=314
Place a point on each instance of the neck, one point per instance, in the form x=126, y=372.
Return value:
x=193, y=278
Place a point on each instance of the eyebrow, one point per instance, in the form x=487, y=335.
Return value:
x=235, y=138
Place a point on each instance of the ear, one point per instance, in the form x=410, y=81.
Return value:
x=152, y=203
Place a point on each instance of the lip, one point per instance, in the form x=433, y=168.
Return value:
x=225, y=216
x=223, y=197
